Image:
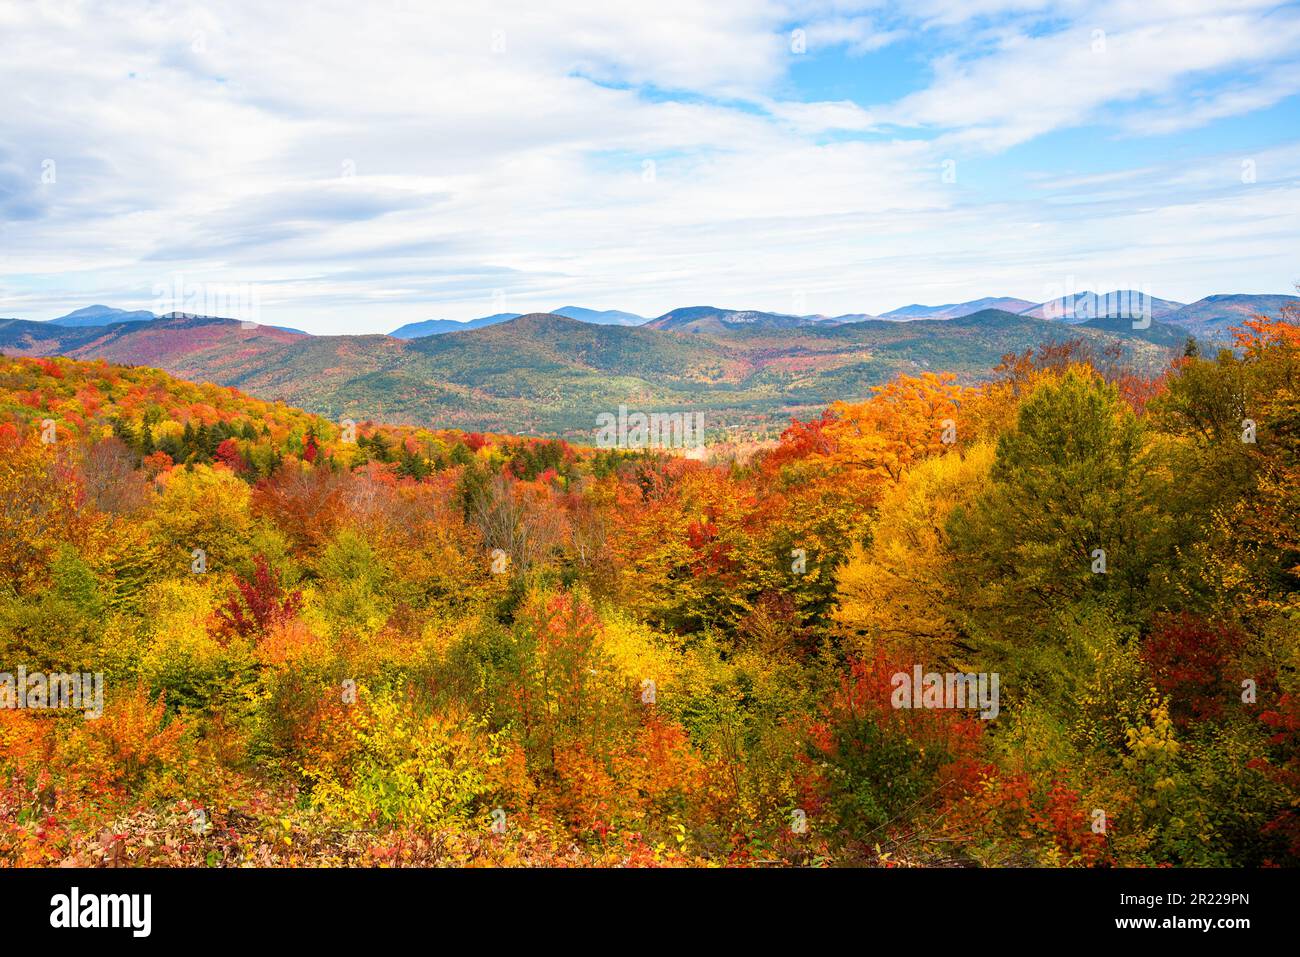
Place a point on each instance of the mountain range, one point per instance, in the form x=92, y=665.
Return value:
x=1209, y=316
x=552, y=373
x=102, y=316
x=955, y=310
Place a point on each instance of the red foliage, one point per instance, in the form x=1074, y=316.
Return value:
x=866, y=693
x=90, y=400
x=257, y=604
x=1190, y=661
x=1058, y=816
x=228, y=454
x=50, y=368
x=715, y=552
x=868, y=690
x=1284, y=722
x=801, y=440
x=156, y=463
x=307, y=504
x=1063, y=815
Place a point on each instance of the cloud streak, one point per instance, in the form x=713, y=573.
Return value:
x=369, y=168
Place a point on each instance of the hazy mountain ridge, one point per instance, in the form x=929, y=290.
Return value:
x=549, y=373
x=710, y=318
x=434, y=327
x=1211, y=315
x=955, y=310
x=98, y=315
x=600, y=317
x=1118, y=303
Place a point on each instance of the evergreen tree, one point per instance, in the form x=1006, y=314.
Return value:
x=125, y=431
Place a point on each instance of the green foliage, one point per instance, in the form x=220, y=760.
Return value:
x=1068, y=521
x=352, y=581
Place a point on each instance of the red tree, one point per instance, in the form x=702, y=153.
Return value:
x=228, y=454
x=257, y=604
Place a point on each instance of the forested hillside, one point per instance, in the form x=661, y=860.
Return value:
x=331, y=642
x=550, y=374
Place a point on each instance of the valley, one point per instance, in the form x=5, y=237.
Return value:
x=748, y=372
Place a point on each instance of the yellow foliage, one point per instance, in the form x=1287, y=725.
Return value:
x=1152, y=742
x=896, y=591
x=202, y=508
x=179, y=610
x=637, y=653
x=904, y=421
x=397, y=767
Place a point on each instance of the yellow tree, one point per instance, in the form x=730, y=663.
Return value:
x=40, y=509
x=896, y=593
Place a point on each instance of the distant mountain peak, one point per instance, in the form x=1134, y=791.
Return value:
x=101, y=315
x=436, y=327
x=1083, y=306
x=956, y=310
x=1213, y=316
x=711, y=318
x=600, y=317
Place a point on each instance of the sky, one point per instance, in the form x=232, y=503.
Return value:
x=350, y=167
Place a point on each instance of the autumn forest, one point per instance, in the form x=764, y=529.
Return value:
x=328, y=643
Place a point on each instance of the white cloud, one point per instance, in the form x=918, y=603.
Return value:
x=1276, y=83
x=370, y=165
x=859, y=35
x=1035, y=84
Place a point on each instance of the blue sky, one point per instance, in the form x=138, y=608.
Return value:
x=352, y=169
